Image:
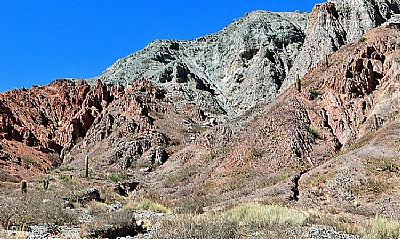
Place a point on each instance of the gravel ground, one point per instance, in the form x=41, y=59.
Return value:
x=55, y=232
x=324, y=233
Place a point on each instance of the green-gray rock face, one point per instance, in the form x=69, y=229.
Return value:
x=224, y=73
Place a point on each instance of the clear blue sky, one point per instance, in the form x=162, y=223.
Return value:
x=41, y=41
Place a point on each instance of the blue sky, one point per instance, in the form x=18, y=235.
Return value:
x=41, y=41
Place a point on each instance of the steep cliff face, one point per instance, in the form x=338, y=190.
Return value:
x=357, y=17
x=127, y=135
x=51, y=117
x=38, y=123
x=335, y=23
x=223, y=73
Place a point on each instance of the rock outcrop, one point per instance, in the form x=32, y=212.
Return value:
x=51, y=117
x=334, y=24
x=225, y=73
x=37, y=124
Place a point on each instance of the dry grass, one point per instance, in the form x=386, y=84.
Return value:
x=383, y=165
x=174, y=179
x=380, y=228
x=198, y=227
x=371, y=186
x=148, y=205
x=263, y=221
x=258, y=216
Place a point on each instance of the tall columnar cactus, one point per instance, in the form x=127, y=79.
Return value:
x=45, y=184
x=298, y=83
x=326, y=60
x=24, y=186
x=86, y=166
x=376, y=123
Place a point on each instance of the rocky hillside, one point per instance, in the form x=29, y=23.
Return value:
x=203, y=125
x=339, y=108
x=214, y=120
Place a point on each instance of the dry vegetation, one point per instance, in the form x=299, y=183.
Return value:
x=234, y=223
x=34, y=208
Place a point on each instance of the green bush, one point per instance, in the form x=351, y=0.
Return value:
x=152, y=206
x=313, y=131
x=66, y=167
x=114, y=177
x=65, y=178
x=363, y=39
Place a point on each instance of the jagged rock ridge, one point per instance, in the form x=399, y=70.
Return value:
x=224, y=73
x=336, y=23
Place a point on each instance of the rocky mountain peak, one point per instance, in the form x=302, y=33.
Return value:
x=336, y=23
x=218, y=71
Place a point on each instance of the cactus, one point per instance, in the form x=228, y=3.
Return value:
x=326, y=60
x=86, y=166
x=298, y=83
x=24, y=186
x=376, y=124
x=45, y=184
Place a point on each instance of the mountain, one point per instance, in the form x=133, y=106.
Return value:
x=217, y=72
x=206, y=123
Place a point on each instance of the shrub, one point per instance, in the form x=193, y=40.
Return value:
x=33, y=208
x=371, y=186
x=66, y=167
x=65, y=178
x=114, y=177
x=258, y=216
x=174, y=178
x=313, y=131
x=110, y=225
x=274, y=179
x=315, y=94
x=339, y=222
x=194, y=205
x=383, y=165
x=257, y=152
x=29, y=160
x=363, y=39
x=150, y=205
x=54, y=159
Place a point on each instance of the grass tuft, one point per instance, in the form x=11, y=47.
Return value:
x=198, y=226
x=258, y=216
x=152, y=206
x=383, y=229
